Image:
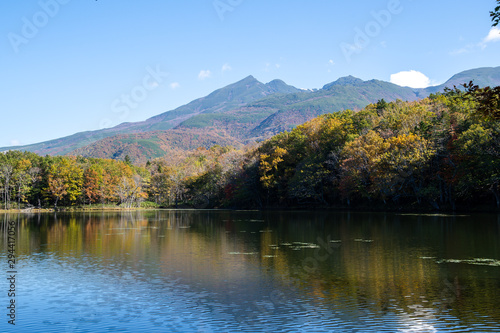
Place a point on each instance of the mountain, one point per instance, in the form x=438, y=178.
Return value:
x=277, y=113
x=263, y=118
x=230, y=97
x=344, y=81
x=485, y=76
x=242, y=112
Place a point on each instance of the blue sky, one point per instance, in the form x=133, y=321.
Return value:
x=74, y=65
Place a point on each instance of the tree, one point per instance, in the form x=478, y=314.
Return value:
x=488, y=100
x=8, y=169
x=125, y=190
x=269, y=167
x=127, y=160
x=34, y=176
x=205, y=188
x=65, y=178
x=23, y=178
x=400, y=167
x=495, y=14
x=92, y=182
x=308, y=184
x=6, y=172
x=359, y=164
x=480, y=147
x=160, y=182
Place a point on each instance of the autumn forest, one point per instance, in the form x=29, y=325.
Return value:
x=439, y=153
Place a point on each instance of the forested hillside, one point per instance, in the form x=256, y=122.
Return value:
x=434, y=153
x=440, y=153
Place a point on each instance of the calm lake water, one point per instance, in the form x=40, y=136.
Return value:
x=229, y=271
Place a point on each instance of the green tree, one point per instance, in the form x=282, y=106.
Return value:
x=480, y=147
x=400, y=167
x=488, y=100
x=23, y=179
x=127, y=160
x=495, y=14
x=6, y=173
x=8, y=165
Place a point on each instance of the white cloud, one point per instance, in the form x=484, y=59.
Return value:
x=493, y=35
x=15, y=142
x=330, y=64
x=204, y=74
x=413, y=79
x=226, y=67
x=174, y=85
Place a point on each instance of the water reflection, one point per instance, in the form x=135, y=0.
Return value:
x=213, y=271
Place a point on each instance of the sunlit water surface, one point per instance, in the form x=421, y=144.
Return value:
x=228, y=271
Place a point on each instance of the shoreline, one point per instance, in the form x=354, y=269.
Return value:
x=68, y=209
x=367, y=209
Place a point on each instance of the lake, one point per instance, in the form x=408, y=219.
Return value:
x=251, y=271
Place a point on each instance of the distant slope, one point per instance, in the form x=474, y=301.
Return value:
x=485, y=76
x=141, y=147
x=66, y=144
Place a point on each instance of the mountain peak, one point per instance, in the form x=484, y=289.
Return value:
x=344, y=81
x=249, y=78
x=279, y=86
x=276, y=81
